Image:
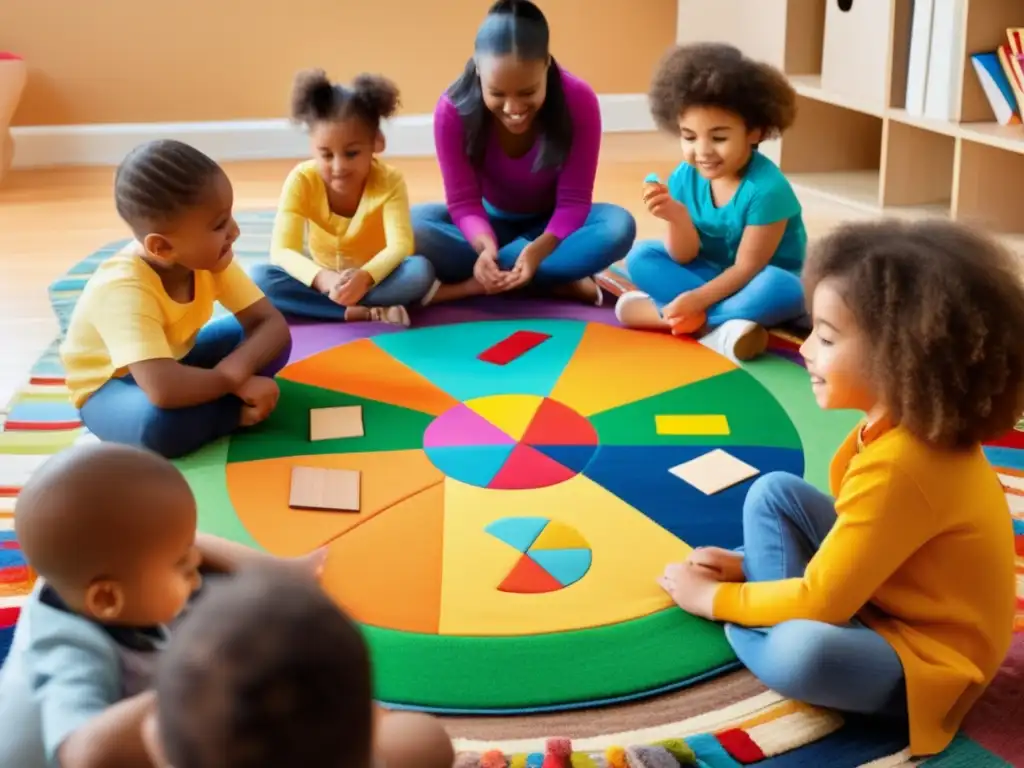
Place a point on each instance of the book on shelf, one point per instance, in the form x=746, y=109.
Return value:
x=1015, y=56
x=920, y=50
x=996, y=84
x=943, y=84
x=1010, y=63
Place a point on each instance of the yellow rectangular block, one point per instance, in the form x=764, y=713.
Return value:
x=679, y=424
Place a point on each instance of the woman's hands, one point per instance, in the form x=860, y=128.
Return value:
x=526, y=265
x=494, y=279
x=487, y=272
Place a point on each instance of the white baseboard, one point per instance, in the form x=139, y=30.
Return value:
x=106, y=144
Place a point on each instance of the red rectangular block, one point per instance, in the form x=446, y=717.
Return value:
x=507, y=350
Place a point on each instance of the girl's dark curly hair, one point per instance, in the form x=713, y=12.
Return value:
x=719, y=75
x=371, y=98
x=943, y=309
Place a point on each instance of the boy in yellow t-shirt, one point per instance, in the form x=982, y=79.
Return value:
x=895, y=597
x=142, y=364
x=348, y=209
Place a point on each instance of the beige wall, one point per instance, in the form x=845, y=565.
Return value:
x=118, y=61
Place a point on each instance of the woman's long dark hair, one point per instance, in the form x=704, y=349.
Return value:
x=516, y=27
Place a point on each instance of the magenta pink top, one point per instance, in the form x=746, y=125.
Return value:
x=510, y=185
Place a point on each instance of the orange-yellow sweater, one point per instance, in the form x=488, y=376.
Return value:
x=377, y=238
x=922, y=550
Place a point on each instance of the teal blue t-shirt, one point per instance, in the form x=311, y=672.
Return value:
x=763, y=197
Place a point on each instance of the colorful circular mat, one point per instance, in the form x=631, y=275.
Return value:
x=523, y=484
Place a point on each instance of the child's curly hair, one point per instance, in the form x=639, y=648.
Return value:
x=943, y=307
x=372, y=98
x=719, y=75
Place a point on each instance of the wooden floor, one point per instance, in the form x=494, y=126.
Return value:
x=51, y=219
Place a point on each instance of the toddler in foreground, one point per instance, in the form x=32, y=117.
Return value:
x=895, y=597
x=266, y=672
x=111, y=531
x=144, y=364
x=730, y=266
x=349, y=209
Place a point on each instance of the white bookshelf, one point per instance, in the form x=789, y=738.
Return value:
x=853, y=141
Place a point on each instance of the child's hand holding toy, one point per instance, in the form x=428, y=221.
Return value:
x=658, y=200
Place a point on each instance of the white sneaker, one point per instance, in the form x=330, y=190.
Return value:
x=737, y=340
x=635, y=309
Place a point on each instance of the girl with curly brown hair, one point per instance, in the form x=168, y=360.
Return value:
x=895, y=597
x=351, y=208
x=730, y=265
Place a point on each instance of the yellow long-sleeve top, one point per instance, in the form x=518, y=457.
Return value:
x=922, y=551
x=377, y=238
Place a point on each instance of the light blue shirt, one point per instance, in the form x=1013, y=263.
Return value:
x=764, y=197
x=61, y=672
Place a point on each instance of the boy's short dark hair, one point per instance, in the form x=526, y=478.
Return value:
x=943, y=307
x=719, y=75
x=266, y=671
x=158, y=180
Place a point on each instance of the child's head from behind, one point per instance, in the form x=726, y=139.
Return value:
x=178, y=203
x=344, y=124
x=721, y=104
x=112, y=529
x=920, y=322
x=265, y=671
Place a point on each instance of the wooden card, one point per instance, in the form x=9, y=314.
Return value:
x=714, y=471
x=328, y=489
x=336, y=423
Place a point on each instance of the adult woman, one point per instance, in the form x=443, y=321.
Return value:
x=518, y=140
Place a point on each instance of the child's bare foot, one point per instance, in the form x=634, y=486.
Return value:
x=455, y=291
x=637, y=310
x=396, y=315
x=723, y=564
x=585, y=291
x=357, y=314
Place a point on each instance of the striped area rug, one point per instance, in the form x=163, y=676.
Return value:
x=724, y=723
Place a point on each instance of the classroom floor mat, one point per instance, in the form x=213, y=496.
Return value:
x=515, y=515
x=727, y=720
